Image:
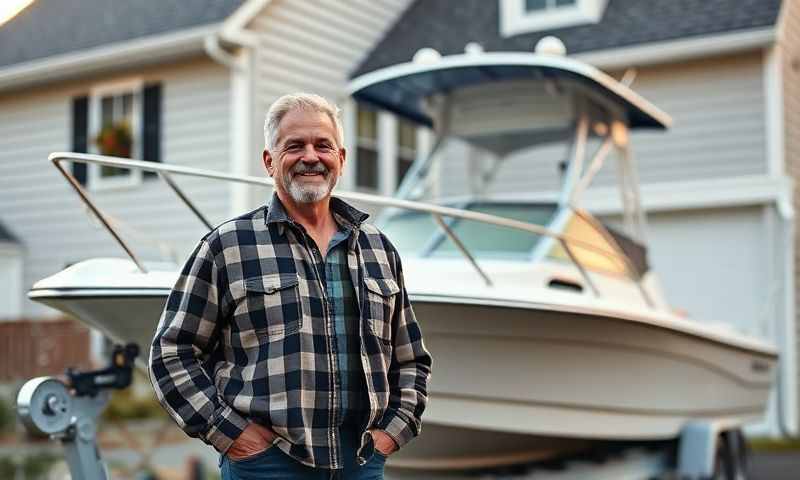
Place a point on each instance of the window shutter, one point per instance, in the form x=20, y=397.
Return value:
x=80, y=132
x=151, y=124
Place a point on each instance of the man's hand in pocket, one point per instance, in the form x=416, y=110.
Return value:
x=383, y=442
x=253, y=440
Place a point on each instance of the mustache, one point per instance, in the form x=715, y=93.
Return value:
x=318, y=167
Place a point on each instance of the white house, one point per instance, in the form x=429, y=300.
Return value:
x=193, y=78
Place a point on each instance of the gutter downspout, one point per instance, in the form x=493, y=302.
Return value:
x=787, y=399
x=786, y=392
x=241, y=107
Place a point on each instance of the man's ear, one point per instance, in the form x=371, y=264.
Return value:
x=342, y=159
x=267, y=158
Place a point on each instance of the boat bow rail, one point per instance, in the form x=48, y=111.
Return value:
x=438, y=212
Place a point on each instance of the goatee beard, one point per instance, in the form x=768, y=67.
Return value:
x=309, y=193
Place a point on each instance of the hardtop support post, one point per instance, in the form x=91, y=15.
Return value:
x=575, y=167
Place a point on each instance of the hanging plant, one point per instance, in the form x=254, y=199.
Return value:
x=115, y=139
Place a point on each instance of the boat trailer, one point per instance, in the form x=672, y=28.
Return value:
x=67, y=410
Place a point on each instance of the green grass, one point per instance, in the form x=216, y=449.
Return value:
x=33, y=466
x=774, y=444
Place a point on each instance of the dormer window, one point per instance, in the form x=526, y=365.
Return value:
x=543, y=5
x=526, y=16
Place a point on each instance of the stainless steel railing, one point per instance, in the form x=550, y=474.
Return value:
x=165, y=172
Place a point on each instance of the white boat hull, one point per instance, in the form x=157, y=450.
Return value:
x=532, y=383
x=519, y=383
x=123, y=316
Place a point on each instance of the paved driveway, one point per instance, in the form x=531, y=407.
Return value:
x=775, y=466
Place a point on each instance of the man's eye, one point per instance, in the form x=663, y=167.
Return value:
x=325, y=146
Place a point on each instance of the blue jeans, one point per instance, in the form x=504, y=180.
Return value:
x=273, y=464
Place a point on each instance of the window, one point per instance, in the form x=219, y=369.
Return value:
x=525, y=16
x=119, y=119
x=416, y=233
x=541, y=5
x=115, y=134
x=114, y=126
x=494, y=242
x=367, y=149
x=382, y=147
x=406, y=147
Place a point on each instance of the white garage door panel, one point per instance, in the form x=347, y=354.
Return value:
x=714, y=264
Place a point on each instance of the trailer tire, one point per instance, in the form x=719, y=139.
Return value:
x=730, y=461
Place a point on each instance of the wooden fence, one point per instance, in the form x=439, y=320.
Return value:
x=47, y=347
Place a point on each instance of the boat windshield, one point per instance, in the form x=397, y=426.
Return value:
x=416, y=233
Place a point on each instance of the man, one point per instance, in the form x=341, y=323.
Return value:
x=288, y=343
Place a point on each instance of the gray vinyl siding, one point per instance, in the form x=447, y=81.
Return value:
x=717, y=105
x=791, y=101
x=718, y=110
x=314, y=46
x=47, y=216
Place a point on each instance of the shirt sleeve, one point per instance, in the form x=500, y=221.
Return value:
x=187, y=333
x=409, y=372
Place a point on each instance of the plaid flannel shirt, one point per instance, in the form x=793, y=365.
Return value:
x=246, y=336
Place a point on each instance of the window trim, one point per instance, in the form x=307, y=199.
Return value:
x=385, y=145
x=515, y=19
x=95, y=181
x=405, y=153
x=11, y=266
x=373, y=144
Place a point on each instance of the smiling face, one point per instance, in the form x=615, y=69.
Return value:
x=307, y=160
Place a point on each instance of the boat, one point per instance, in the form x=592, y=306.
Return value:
x=549, y=329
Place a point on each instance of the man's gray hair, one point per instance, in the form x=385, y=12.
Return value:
x=299, y=101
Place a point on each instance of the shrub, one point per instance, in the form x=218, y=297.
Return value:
x=33, y=466
x=124, y=405
x=8, y=415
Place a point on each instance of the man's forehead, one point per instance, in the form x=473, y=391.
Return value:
x=300, y=123
x=305, y=115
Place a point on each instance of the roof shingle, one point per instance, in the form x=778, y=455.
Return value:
x=448, y=25
x=52, y=27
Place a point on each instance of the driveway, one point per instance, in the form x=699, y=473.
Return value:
x=775, y=465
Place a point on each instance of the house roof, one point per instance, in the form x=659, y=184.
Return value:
x=448, y=25
x=53, y=27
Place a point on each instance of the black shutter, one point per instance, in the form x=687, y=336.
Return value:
x=80, y=132
x=151, y=124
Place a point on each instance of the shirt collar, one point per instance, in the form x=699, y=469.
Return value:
x=347, y=216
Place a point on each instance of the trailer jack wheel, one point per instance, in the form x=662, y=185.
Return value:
x=67, y=411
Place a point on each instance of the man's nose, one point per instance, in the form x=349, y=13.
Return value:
x=310, y=154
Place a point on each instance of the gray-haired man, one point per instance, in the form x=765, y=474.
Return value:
x=288, y=342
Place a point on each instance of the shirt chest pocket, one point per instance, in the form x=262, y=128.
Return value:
x=272, y=304
x=381, y=297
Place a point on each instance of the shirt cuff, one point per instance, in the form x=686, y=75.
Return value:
x=397, y=427
x=227, y=427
